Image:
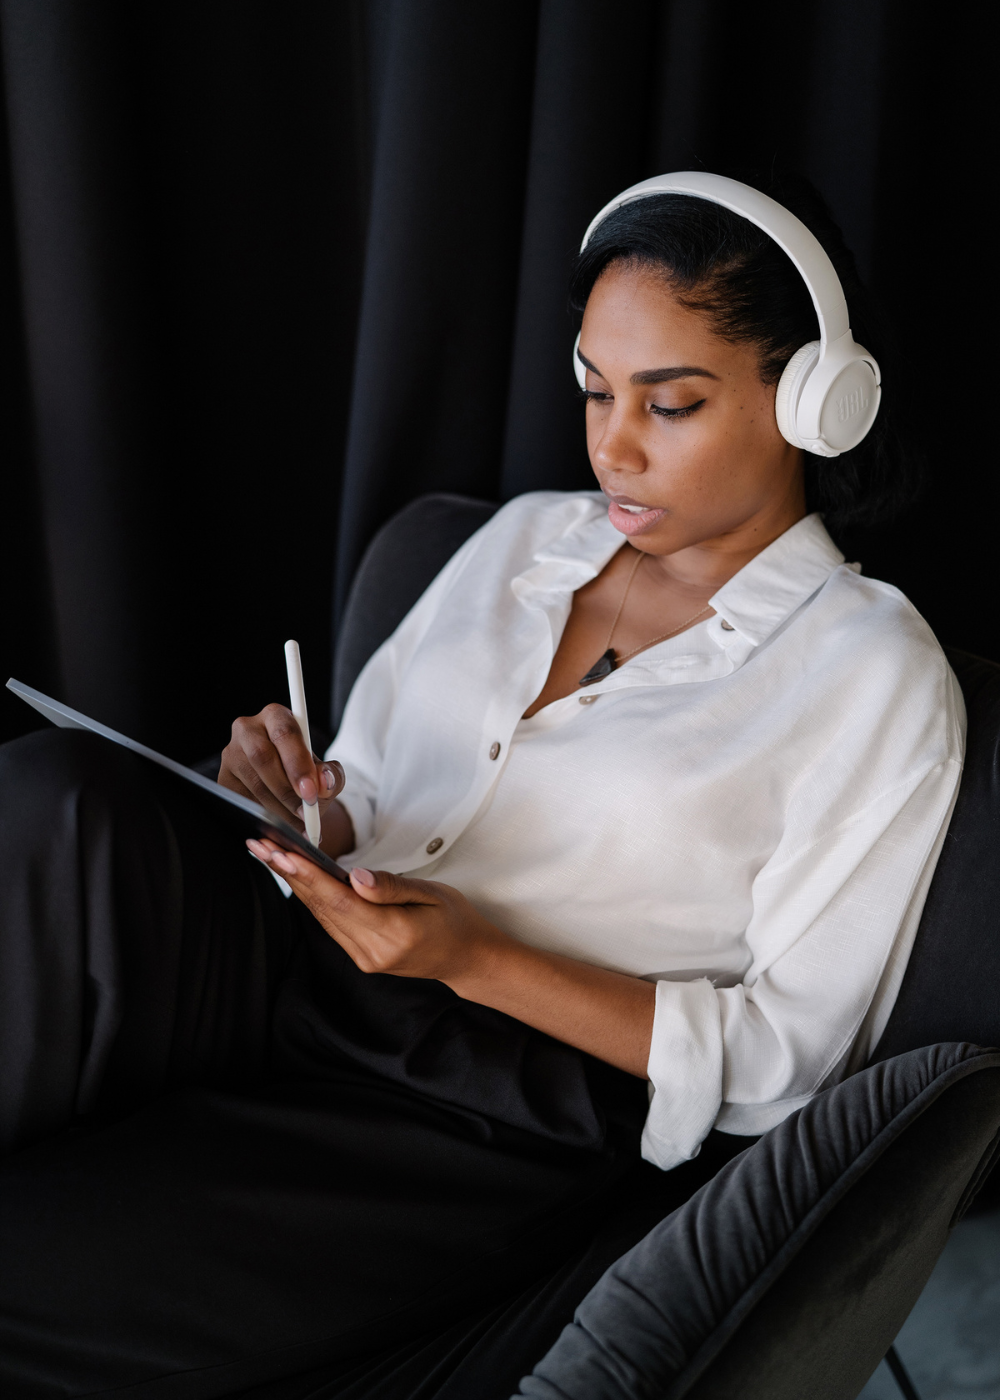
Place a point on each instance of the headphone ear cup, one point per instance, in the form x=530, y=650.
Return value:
x=579, y=369
x=789, y=391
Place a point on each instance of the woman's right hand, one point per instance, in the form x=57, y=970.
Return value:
x=267, y=760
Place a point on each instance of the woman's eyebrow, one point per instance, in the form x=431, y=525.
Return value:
x=661, y=376
x=655, y=376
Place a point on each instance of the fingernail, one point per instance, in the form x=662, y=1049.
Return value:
x=363, y=877
x=329, y=779
x=307, y=791
x=256, y=849
x=283, y=862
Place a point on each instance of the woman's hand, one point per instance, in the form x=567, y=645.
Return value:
x=267, y=760
x=419, y=928
x=386, y=923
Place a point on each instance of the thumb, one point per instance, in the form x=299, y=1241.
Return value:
x=331, y=780
x=382, y=887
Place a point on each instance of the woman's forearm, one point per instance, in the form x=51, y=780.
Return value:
x=417, y=928
x=605, y=1013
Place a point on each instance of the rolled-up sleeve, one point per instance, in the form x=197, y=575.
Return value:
x=685, y=1071
x=829, y=922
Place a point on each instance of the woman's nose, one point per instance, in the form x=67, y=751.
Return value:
x=618, y=448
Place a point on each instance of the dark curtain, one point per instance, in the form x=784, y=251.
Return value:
x=270, y=270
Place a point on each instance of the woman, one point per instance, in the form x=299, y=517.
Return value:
x=642, y=801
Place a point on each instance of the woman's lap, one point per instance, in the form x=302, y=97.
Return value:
x=243, y=1158
x=213, y=1241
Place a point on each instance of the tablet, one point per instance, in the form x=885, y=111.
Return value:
x=241, y=813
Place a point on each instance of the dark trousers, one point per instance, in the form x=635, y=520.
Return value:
x=235, y=1164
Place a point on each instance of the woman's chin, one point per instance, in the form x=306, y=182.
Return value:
x=634, y=524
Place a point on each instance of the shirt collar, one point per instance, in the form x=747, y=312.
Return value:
x=577, y=555
x=754, y=602
x=778, y=580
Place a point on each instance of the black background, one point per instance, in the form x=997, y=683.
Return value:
x=269, y=270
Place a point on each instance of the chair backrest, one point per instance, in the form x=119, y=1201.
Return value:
x=951, y=987
x=406, y=555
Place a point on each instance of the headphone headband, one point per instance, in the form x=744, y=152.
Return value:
x=790, y=234
x=829, y=394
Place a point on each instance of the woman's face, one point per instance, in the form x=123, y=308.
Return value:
x=680, y=425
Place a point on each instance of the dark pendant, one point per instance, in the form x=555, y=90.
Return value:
x=600, y=669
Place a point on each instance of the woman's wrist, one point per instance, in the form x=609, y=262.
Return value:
x=483, y=964
x=608, y=1014
x=337, y=831
x=497, y=970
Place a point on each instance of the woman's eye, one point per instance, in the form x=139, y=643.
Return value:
x=598, y=396
x=675, y=412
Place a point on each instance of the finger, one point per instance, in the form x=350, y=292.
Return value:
x=375, y=939
x=253, y=759
x=239, y=776
x=314, y=886
x=382, y=887
x=333, y=905
x=229, y=780
x=331, y=781
x=298, y=763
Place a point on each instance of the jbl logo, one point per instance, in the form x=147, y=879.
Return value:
x=851, y=404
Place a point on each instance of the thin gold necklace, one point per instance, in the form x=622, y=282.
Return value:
x=610, y=661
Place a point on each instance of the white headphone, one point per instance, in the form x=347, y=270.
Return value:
x=829, y=391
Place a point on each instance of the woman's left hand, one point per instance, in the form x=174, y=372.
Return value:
x=387, y=923
x=418, y=928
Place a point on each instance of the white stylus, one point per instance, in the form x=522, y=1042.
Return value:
x=297, y=694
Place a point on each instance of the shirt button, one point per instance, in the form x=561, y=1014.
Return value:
x=434, y=845
x=494, y=750
x=726, y=626
x=588, y=699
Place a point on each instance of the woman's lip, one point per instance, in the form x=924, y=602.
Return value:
x=629, y=523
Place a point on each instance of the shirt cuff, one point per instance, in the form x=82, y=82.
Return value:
x=684, y=1072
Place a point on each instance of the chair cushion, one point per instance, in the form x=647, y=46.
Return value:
x=819, y=1238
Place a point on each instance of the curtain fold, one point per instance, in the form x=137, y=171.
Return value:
x=449, y=102
x=272, y=270
x=81, y=307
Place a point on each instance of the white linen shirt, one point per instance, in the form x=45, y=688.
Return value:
x=748, y=817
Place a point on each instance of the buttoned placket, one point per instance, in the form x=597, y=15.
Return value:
x=660, y=666
x=658, y=671
x=662, y=670
x=544, y=590
x=541, y=598
x=748, y=609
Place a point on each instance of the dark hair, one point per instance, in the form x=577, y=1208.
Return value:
x=729, y=269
